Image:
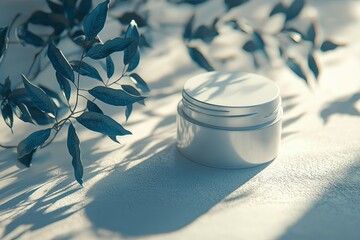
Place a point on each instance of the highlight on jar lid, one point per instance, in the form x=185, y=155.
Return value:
x=236, y=116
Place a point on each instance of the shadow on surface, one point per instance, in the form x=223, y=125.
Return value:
x=344, y=105
x=336, y=215
x=161, y=194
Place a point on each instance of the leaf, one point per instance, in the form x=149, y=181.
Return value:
x=69, y=6
x=115, y=97
x=128, y=111
x=206, y=33
x=250, y=46
x=311, y=33
x=110, y=68
x=52, y=94
x=92, y=107
x=7, y=114
x=4, y=41
x=294, y=9
x=313, y=65
x=26, y=160
x=188, y=28
x=94, y=22
x=73, y=145
x=295, y=67
x=132, y=33
x=139, y=82
x=101, y=123
x=28, y=37
x=64, y=85
x=59, y=62
x=37, y=115
x=328, y=45
x=55, y=7
x=83, y=9
x=7, y=87
x=234, y=3
x=143, y=42
x=85, y=69
x=56, y=21
x=100, y=51
x=113, y=138
x=32, y=142
x=278, y=8
x=134, y=62
x=39, y=97
x=127, y=17
x=199, y=58
x=130, y=89
x=22, y=112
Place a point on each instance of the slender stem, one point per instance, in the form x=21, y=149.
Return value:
x=78, y=83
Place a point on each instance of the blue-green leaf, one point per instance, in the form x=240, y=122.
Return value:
x=85, y=69
x=189, y=28
x=53, y=95
x=59, y=62
x=311, y=33
x=128, y=111
x=92, y=107
x=295, y=67
x=94, y=22
x=294, y=9
x=250, y=46
x=234, y=3
x=113, y=138
x=101, y=123
x=100, y=51
x=278, y=8
x=22, y=112
x=64, y=85
x=73, y=145
x=110, y=68
x=7, y=114
x=132, y=33
x=37, y=115
x=134, y=62
x=115, y=97
x=32, y=142
x=55, y=7
x=7, y=87
x=3, y=41
x=133, y=91
x=127, y=17
x=313, y=65
x=26, y=159
x=328, y=45
x=39, y=97
x=139, y=82
x=83, y=9
x=28, y=37
x=199, y=58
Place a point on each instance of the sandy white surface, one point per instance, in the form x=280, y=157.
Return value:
x=145, y=189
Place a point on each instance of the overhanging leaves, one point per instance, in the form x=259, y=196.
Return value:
x=73, y=145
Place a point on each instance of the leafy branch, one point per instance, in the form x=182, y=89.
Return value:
x=39, y=105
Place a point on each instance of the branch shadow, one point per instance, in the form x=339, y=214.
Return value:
x=161, y=194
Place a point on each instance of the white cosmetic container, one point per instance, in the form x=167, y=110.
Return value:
x=229, y=120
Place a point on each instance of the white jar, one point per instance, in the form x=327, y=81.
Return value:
x=229, y=120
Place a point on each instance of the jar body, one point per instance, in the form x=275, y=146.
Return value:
x=227, y=147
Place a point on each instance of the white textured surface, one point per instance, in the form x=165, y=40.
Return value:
x=145, y=189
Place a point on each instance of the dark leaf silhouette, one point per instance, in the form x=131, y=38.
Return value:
x=328, y=45
x=6, y=87
x=55, y=7
x=188, y=28
x=250, y=46
x=93, y=107
x=7, y=114
x=73, y=145
x=22, y=112
x=110, y=68
x=25, y=36
x=83, y=9
x=64, y=85
x=313, y=65
x=295, y=67
x=134, y=62
x=133, y=34
x=234, y=3
x=139, y=82
x=3, y=41
x=294, y=9
x=199, y=58
x=128, y=111
x=311, y=33
x=278, y=8
x=206, y=33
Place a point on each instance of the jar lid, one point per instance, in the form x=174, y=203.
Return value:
x=231, y=99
